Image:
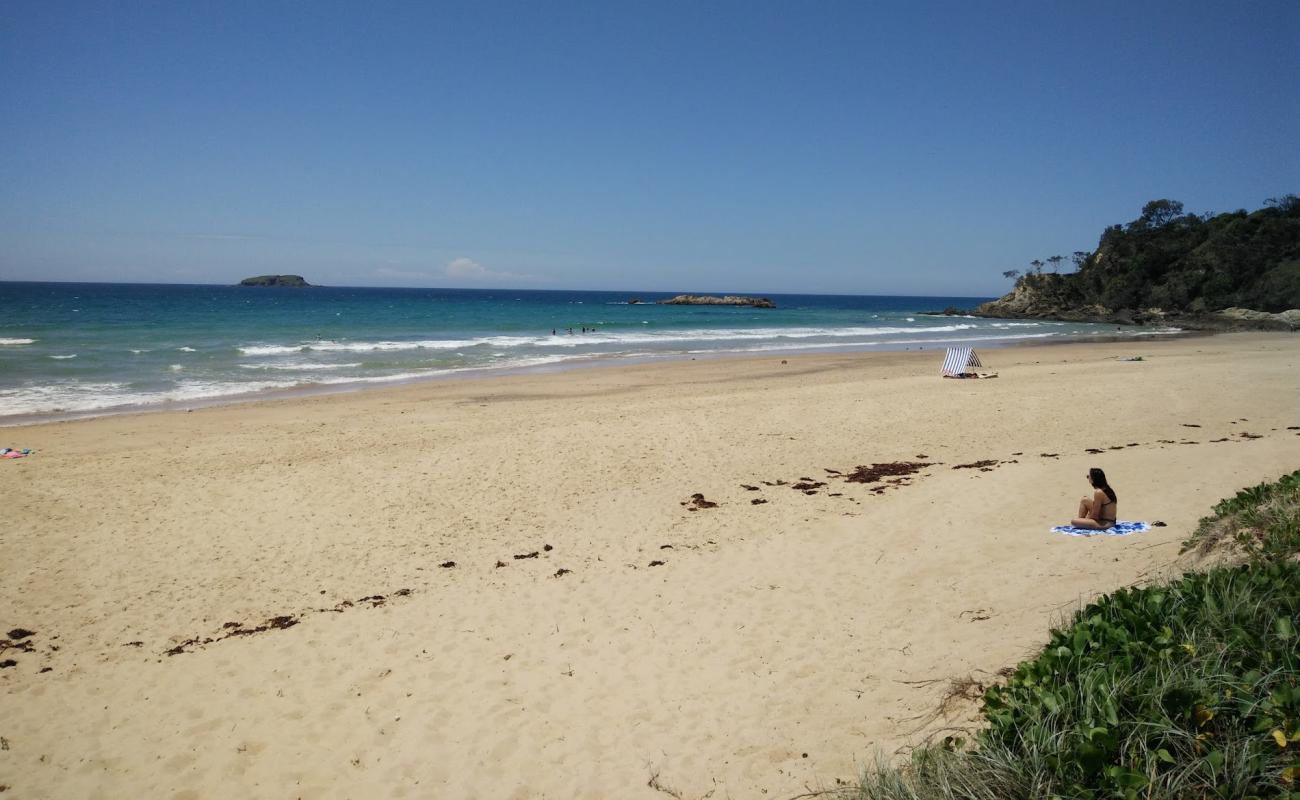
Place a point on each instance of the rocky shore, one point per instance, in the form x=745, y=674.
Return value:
x=1028, y=301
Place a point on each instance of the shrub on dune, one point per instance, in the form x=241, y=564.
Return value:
x=1181, y=691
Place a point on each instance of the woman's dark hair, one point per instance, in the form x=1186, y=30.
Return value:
x=1098, y=479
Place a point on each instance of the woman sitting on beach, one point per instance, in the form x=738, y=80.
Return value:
x=1101, y=510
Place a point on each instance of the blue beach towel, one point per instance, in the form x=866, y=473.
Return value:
x=1118, y=529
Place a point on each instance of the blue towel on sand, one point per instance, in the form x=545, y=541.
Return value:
x=1118, y=529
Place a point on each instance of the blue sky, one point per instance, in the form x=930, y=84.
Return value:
x=909, y=148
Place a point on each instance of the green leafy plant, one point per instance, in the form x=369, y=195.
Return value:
x=1180, y=686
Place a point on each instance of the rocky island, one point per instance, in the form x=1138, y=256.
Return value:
x=1234, y=271
x=295, y=281
x=711, y=300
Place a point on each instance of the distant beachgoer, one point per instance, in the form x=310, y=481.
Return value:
x=1102, y=509
x=552, y=331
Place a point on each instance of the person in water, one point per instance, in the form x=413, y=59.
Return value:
x=1102, y=509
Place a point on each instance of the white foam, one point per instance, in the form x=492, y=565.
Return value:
x=76, y=397
x=60, y=358
x=736, y=334
x=199, y=390
x=601, y=338
x=187, y=349
x=57, y=397
x=397, y=376
x=518, y=363
x=936, y=343
x=73, y=397
x=301, y=366
x=994, y=338
x=326, y=346
x=269, y=350
x=175, y=367
x=15, y=342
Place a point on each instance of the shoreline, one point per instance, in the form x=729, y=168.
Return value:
x=505, y=587
x=595, y=361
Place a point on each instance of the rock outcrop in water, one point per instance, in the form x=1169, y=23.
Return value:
x=710, y=300
x=295, y=281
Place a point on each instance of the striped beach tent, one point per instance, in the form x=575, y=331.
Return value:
x=959, y=360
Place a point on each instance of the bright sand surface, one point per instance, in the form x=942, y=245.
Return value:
x=778, y=647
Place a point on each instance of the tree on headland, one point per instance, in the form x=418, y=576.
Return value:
x=1011, y=274
x=1287, y=203
x=1055, y=261
x=1180, y=262
x=1157, y=214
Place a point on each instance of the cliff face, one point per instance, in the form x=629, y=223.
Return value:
x=1044, y=296
x=295, y=281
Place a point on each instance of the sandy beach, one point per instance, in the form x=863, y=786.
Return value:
x=502, y=588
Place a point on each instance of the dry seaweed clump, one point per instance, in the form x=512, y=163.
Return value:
x=893, y=474
x=697, y=502
x=877, y=472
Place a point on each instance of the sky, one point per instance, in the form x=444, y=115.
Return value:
x=815, y=147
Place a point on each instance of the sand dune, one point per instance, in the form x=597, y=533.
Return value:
x=776, y=647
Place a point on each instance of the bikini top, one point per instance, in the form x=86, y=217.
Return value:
x=1109, y=503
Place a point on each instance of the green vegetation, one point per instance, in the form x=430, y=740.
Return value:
x=1184, y=263
x=1263, y=522
x=1181, y=691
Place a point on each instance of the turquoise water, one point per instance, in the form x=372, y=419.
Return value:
x=77, y=348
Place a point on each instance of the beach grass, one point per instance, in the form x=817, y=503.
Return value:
x=1260, y=522
x=1186, y=689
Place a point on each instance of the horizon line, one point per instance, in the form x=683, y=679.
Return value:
x=632, y=292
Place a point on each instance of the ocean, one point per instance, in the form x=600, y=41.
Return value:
x=71, y=349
